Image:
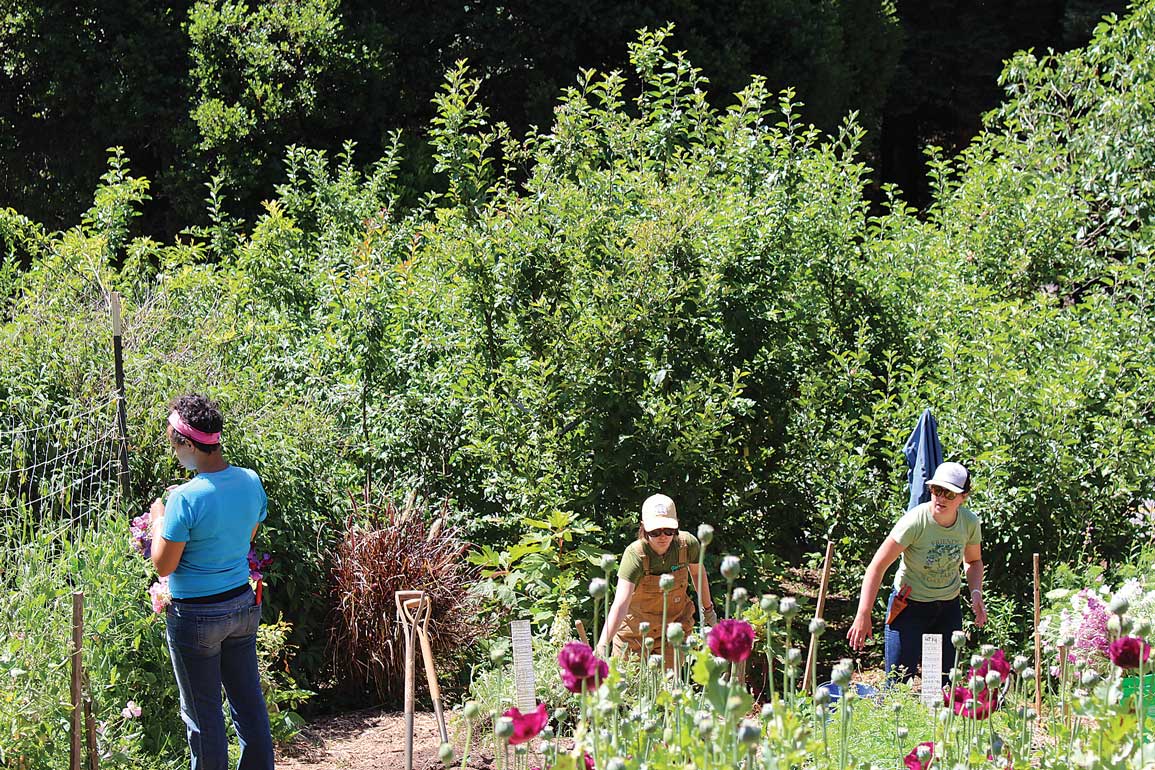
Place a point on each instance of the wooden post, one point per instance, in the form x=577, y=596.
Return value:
x=74, y=749
x=581, y=630
x=90, y=728
x=1038, y=644
x=812, y=657
x=121, y=404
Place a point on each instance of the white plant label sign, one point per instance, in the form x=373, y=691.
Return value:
x=931, y=694
x=524, y=684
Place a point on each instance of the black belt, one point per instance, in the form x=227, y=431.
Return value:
x=232, y=593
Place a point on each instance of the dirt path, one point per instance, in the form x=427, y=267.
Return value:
x=365, y=740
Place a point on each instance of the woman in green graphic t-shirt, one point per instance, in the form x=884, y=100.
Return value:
x=934, y=539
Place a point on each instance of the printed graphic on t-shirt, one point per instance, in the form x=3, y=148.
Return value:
x=942, y=561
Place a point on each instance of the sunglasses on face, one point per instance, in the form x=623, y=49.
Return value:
x=945, y=494
x=662, y=533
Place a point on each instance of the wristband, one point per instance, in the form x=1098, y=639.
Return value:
x=977, y=591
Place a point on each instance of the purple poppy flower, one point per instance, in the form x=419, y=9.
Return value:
x=527, y=726
x=732, y=640
x=911, y=759
x=1126, y=651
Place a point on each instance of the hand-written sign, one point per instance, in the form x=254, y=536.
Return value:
x=524, y=685
x=931, y=694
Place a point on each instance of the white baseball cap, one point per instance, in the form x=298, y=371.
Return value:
x=659, y=512
x=951, y=476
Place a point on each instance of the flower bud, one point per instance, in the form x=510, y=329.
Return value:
x=648, y=643
x=598, y=588
x=1020, y=662
x=987, y=650
x=1142, y=628
x=976, y=684
x=497, y=655
x=1032, y=715
x=896, y=707
x=545, y=747
x=740, y=596
x=841, y=676
x=608, y=562
x=731, y=567
x=923, y=754
x=471, y=711
x=817, y=627
x=1119, y=605
x=705, y=534
x=994, y=680
x=749, y=733
x=560, y=715
x=666, y=583
x=902, y=733
x=546, y=733
x=768, y=709
x=793, y=656
x=675, y=633
x=1090, y=678
x=705, y=727
x=1028, y=674
x=644, y=627
x=654, y=662
x=958, y=639
x=445, y=753
x=769, y=603
x=822, y=696
x=1114, y=625
x=503, y=728
x=976, y=661
x=788, y=607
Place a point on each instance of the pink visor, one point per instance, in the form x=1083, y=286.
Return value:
x=183, y=428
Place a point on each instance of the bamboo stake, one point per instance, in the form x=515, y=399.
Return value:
x=812, y=657
x=1038, y=644
x=74, y=749
x=121, y=399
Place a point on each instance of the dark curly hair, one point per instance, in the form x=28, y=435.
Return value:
x=201, y=413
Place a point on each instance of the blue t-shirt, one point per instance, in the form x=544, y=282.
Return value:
x=213, y=515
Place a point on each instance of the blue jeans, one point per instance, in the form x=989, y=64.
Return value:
x=903, y=649
x=215, y=645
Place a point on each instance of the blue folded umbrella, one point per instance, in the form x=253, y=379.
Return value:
x=923, y=454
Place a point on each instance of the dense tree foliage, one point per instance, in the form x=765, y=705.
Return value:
x=218, y=88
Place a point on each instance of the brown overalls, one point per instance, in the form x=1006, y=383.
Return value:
x=646, y=606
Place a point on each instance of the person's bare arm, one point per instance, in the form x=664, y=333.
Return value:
x=618, y=610
x=973, y=569
x=862, y=628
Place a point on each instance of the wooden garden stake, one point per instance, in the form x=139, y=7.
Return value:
x=90, y=728
x=1038, y=644
x=581, y=630
x=812, y=658
x=74, y=749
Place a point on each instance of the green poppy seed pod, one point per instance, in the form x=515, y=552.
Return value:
x=1114, y=625
x=817, y=627
x=1119, y=605
x=822, y=696
x=987, y=650
x=1142, y=628
x=503, y=728
x=648, y=643
x=820, y=711
x=545, y=747
x=651, y=726
x=994, y=680
x=958, y=639
x=793, y=656
x=749, y=733
x=1067, y=640
x=616, y=764
x=740, y=596
x=666, y=583
x=705, y=534
x=675, y=633
x=445, y=753
x=769, y=603
x=1090, y=678
x=1126, y=625
x=1028, y=674
x=668, y=735
x=654, y=662
x=731, y=567
x=1032, y=715
x=644, y=627
x=788, y=607
x=471, y=711
x=902, y=733
x=976, y=661
x=954, y=674
x=976, y=684
x=598, y=588
x=605, y=708
x=497, y=655
x=546, y=733
x=560, y=715
x=705, y=728
x=840, y=676
x=944, y=715
x=1019, y=663
x=895, y=708
x=923, y=754
x=767, y=710
x=609, y=561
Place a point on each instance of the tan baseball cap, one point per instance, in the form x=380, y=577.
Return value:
x=659, y=512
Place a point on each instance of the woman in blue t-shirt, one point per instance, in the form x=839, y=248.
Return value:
x=201, y=541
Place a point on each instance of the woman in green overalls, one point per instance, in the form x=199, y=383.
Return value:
x=661, y=549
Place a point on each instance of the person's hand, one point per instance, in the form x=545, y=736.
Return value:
x=980, y=609
x=156, y=515
x=860, y=631
x=709, y=616
x=600, y=650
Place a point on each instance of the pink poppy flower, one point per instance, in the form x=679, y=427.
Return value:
x=732, y=640
x=966, y=704
x=527, y=726
x=911, y=759
x=579, y=665
x=1127, y=652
